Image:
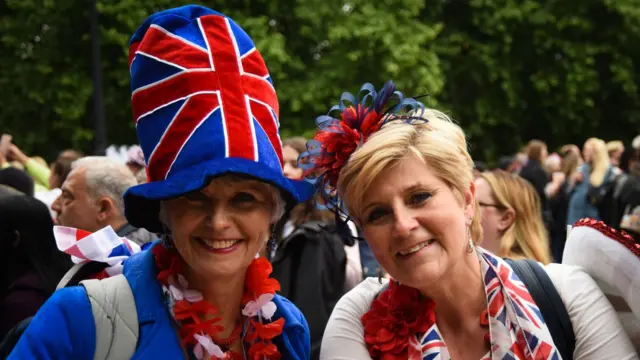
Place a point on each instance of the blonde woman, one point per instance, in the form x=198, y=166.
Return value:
x=512, y=226
x=593, y=175
x=406, y=179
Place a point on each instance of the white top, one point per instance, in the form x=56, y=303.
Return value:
x=597, y=329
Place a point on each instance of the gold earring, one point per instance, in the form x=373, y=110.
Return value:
x=470, y=245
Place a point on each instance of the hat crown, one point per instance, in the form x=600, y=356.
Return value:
x=201, y=91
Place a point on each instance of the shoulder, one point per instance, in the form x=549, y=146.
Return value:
x=570, y=281
x=62, y=329
x=358, y=300
x=597, y=328
x=295, y=342
x=344, y=335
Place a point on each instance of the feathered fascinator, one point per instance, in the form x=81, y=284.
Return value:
x=344, y=129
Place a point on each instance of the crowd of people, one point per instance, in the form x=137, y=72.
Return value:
x=379, y=238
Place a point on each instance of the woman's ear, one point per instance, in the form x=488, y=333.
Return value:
x=470, y=201
x=507, y=218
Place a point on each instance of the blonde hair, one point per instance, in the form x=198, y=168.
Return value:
x=599, y=161
x=526, y=237
x=615, y=146
x=438, y=142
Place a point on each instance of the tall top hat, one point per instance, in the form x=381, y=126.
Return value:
x=204, y=105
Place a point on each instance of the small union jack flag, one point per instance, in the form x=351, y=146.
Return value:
x=103, y=246
x=201, y=91
x=518, y=331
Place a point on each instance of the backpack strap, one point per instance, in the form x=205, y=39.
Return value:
x=69, y=275
x=549, y=302
x=115, y=316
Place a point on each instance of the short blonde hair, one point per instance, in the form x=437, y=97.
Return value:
x=438, y=142
x=615, y=146
x=526, y=237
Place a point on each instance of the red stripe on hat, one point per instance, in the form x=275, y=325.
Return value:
x=174, y=50
x=194, y=111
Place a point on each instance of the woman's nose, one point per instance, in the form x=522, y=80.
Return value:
x=404, y=223
x=219, y=218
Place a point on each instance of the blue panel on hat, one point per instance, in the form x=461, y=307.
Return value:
x=206, y=143
x=151, y=127
x=242, y=39
x=187, y=29
x=266, y=153
x=147, y=71
x=180, y=15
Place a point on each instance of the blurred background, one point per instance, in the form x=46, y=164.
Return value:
x=507, y=71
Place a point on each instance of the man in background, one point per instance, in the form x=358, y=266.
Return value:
x=92, y=198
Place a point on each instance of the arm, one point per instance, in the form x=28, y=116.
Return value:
x=63, y=329
x=344, y=336
x=598, y=332
x=38, y=172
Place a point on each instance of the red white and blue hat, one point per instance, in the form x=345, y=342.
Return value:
x=204, y=106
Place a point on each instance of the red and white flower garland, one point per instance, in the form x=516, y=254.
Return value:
x=197, y=317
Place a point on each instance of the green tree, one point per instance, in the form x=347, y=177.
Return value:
x=507, y=70
x=554, y=70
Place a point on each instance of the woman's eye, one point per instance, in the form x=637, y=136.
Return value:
x=195, y=197
x=376, y=214
x=419, y=198
x=243, y=198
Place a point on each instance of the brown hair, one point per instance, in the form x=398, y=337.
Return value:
x=297, y=143
x=534, y=150
x=570, y=163
x=526, y=237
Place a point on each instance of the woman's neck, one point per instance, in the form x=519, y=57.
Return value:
x=224, y=293
x=461, y=295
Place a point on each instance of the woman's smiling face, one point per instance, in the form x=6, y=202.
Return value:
x=219, y=229
x=414, y=223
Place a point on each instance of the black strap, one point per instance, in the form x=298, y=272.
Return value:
x=125, y=230
x=549, y=302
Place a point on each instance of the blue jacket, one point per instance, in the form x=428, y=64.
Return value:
x=64, y=329
x=579, y=205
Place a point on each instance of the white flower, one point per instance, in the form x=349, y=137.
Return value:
x=206, y=344
x=263, y=304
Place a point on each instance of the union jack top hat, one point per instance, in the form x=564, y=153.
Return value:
x=204, y=105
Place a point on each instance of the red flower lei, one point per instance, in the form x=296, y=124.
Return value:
x=395, y=317
x=198, y=318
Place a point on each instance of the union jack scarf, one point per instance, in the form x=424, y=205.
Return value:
x=103, y=246
x=516, y=326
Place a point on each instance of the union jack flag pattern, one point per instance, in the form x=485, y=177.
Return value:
x=198, y=80
x=518, y=331
x=103, y=246
x=204, y=105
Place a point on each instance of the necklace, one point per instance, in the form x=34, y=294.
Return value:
x=235, y=334
x=197, y=319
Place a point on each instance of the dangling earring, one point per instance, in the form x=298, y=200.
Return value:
x=271, y=243
x=167, y=237
x=470, y=245
x=379, y=276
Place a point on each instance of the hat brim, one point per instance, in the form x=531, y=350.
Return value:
x=142, y=202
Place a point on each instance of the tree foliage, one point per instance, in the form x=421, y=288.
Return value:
x=507, y=70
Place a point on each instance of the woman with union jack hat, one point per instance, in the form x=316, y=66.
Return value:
x=206, y=114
